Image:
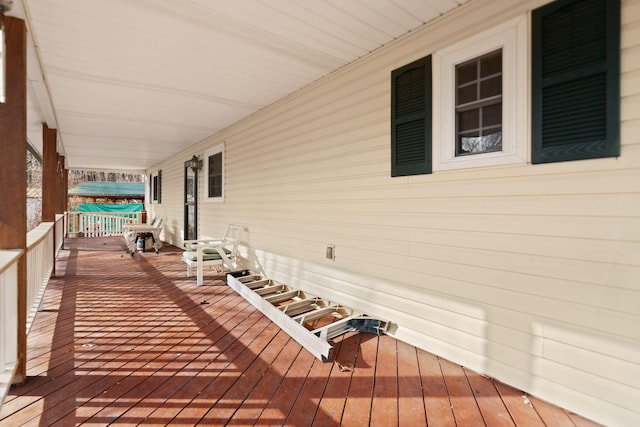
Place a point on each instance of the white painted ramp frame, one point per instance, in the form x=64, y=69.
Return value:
x=301, y=308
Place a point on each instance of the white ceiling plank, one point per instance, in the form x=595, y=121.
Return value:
x=443, y=6
x=137, y=73
x=422, y=10
x=307, y=32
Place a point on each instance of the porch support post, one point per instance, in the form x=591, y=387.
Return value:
x=13, y=170
x=61, y=176
x=65, y=197
x=62, y=195
x=50, y=179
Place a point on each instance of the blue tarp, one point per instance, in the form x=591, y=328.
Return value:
x=110, y=207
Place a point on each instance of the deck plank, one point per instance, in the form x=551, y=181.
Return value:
x=582, y=422
x=229, y=367
x=154, y=363
x=384, y=405
x=463, y=402
x=334, y=398
x=552, y=415
x=411, y=410
x=198, y=360
x=489, y=401
x=306, y=404
x=262, y=394
x=357, y=411
x=222, y=340
x=518, y=405
x=435, y=394
x=279, y=407
x=131, y=340
x=237, y=393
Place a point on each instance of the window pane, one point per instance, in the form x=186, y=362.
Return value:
x=215, y=175
x=467, y=72
x=467, y=94
x=190, y=190
x=492, y=115
x=468, y=120
x=215, y=186
x=215, y=163
x=491, y=87
x=212, y=164
x=191, y=219
x=491, y=64
x=479, y=119
x=155, y=187
x=479, y=144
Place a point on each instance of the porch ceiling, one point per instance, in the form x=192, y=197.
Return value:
x=129, y=83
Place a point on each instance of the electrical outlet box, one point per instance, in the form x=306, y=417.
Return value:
x=330, y=252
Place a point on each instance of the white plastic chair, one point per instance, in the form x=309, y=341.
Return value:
x=213, y=252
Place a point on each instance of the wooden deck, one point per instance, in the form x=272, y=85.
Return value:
x=130, y=340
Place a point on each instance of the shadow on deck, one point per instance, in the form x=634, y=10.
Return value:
x=130, y=340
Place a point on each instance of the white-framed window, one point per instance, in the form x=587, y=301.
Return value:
x=480, y=99
x=214, y=174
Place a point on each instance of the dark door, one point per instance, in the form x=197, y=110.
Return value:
x=190, y=203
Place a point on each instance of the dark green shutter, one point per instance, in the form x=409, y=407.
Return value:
x=576, y=80
x=160, y=186
x=411, y=118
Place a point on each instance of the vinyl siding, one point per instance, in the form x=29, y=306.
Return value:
x=527, y=273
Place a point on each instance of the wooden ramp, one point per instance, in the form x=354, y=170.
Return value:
x=309, y=319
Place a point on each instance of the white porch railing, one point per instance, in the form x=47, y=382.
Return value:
x=40, y=261
x=39, y=265
x=8, y=318
x=95, y=224
x=62, y=221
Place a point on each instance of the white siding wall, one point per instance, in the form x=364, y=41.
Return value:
x=528, y=273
